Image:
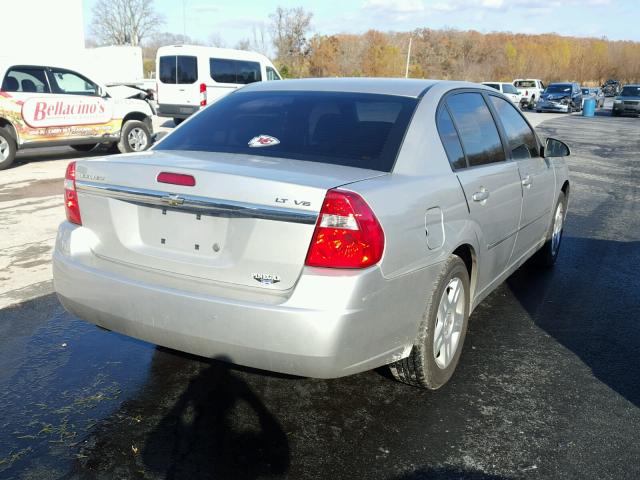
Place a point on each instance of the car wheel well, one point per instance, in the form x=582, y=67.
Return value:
x=146, y=119
x=4, y=123
x=468, y=256
x=565, y=189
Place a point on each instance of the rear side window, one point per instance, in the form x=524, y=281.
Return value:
x=450, y=139
x=493, y=85
x=234, y=71
x=180, y=69
x=522, y=140
x=478, y=132
x=26, y=79
x=358, y=130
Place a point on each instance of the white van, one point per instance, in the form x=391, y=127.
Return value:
x=190, y=76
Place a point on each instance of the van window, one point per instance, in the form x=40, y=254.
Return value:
x=234, y=71
x=478, y=132
x=187, y=69
x=272, y=74
x=181, y=69
x=353, y=129
x=26, y=79
x=71, y=83
x=168, y=69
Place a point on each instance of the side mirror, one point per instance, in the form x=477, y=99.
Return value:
x=556, y=148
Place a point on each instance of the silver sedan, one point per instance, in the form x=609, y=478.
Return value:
x=316, y=227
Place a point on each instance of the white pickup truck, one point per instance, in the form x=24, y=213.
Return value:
x=530, y=89
x=43, y=105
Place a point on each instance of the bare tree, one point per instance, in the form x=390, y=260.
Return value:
x=289, y=30
x=215, y=40
x=259, y=42
x=124, y=22
x=244, y=44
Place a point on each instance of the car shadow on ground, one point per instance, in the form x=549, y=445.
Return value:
x=602, y=329
x=215, y=427
x=26, y=156
x=201, y=437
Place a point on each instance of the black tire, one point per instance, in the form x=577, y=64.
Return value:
x=546, y=257
x=420, y=368
x=570, y=108
x=84, y=148
x=615, y=114
x=125, y=145
x=178, y=121
x=9, y=148
x=532, y=103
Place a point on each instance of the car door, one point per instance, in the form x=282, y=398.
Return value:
x=25, y=85
x=491, y=184
x=536, y=175
x=75, y=109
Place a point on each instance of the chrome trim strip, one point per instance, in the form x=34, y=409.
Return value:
x=192, y=203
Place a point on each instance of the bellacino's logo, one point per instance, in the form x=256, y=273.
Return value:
x=43, y=112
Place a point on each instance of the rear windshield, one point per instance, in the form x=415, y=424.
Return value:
x=525, y=84
x=358, y=130
x=630, y=91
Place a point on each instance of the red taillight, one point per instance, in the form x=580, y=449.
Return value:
x=347, y=234
x=526, y=93
x=176, y=179
x=203, y=95
x=71, y=196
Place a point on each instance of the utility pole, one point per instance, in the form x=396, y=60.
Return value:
x=406, y=70
x=184, y=20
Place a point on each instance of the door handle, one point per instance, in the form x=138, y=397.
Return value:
x=481, y=196
x=527, y=181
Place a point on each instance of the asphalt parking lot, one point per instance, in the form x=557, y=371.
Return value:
x=548, y=385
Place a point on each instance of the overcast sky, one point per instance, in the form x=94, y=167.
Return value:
x=233, y=20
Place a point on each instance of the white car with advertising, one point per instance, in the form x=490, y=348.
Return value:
x=44, y=106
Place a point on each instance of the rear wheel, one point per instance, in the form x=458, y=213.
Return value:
x=438, y=346
x=84, y=148
x=178, y=121
x=548, y=254
x=8, y=148
x=134, y=137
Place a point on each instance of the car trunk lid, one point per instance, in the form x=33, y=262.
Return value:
x=247, y=220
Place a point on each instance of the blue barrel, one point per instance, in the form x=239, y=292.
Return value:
x=589, y=107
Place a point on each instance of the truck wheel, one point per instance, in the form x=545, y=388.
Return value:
x=84, y=148
x=437, y=348
x=532, y=103
x=178, y=121
x=8, y=148
x=134, y=137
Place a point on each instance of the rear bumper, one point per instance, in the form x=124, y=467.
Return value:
x=333, y=323
x=176, y=111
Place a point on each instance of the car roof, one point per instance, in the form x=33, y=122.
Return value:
x=383, y=86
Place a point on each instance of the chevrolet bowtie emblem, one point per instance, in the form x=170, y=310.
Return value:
x=173, y=200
